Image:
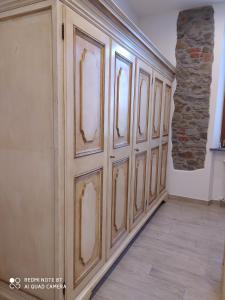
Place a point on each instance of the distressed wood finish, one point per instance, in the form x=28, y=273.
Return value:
x=139, y=185
x=120, y=184
x=166, y=110
x=163, y=167
x=141, y=141
x=157, y=106
x=154, y=170
x=89, y=94
x=87, y=64
x=6, y=5
x=142, y=109
x=88, y=223
x=121, y=134
x=122, y=102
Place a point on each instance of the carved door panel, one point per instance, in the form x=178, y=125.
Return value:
x=120, y=183
x=87, y=73
x=139, y=187
x=120, y=134
x=142, y=102
x=154, y=171
x=163, y=167
x=157, y=106
x=166, y=109
x=141, y=141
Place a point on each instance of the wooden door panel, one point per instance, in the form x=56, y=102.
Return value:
x=154, y=164
x=163, y=167
x=88, y=223
x=167, y=105
x=89, y=70
x=140, y=184
x=143, y=106
x=120, y=182
x=120, y=145
x=87, y=89
x=157, y=106
x=122, y=105
x=141, y=142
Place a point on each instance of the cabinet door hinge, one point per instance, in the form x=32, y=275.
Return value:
x=63, y=31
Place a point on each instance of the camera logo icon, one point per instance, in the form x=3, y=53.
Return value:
x=14, y=283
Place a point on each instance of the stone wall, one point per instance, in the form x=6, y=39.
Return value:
x=194, y=57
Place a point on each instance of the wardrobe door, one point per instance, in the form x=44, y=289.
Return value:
x=166, y=109
x=154, y=171
x=87, y=73
x=120, y=144
x=157, y=105
x=140, y=141
x=156, y=136
x=163, y=167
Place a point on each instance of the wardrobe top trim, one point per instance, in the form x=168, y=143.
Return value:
x=106, y=15
x=109, y=17
x=136, y=31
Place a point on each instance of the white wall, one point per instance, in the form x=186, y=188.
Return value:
x=162, y=31
x=194, y=184
x=218, y=174
x=125, y=7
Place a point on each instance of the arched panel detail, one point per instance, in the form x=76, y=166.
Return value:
x=89, y=94
x=119, y=209
x=143, y=106
x=139, y=185
x=120, y=198
x=122, y=102
x=88, y=221
x=154, y=174
x=167, y=104
x=89, y=91
x=163, y=167
x=158, y=94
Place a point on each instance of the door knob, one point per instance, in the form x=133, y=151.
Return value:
x=136, y=149
x=112, y=156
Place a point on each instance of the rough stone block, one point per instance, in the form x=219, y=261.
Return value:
x=194, y=56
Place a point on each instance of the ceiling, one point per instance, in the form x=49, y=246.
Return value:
x=143, y=8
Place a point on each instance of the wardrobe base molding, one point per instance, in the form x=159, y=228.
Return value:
x=87, y=291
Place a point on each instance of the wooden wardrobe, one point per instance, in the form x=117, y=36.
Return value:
x=85, y=103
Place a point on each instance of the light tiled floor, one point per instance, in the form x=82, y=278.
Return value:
x=178, y=256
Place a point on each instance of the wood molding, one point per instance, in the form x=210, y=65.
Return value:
x=119, y=209
x=6, y=5
x=105, y=15
x=87, y=247
x=136, y=31
x=153, y=196
x=115, y=23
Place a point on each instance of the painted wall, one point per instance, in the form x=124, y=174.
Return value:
x=218, y=174
x=162, y=30
x=201, y=184
x=126, y=8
